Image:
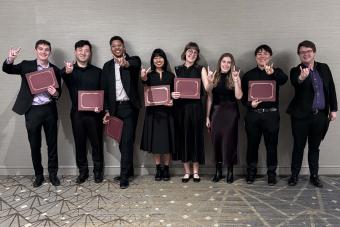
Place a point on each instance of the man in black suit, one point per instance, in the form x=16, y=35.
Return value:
x=40, y=110
x=82, y=75
x=313, y=106
x=120, y=82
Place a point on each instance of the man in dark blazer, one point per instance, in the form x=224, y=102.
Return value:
x=40, y=110
x=313, y=106
x=120, y=82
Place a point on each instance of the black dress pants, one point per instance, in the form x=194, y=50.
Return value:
x=46, y=117
x=88, y=125
x=268, y=125
x=312, y=129
x=129, y=115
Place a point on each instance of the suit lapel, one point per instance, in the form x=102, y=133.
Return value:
x=32, y=67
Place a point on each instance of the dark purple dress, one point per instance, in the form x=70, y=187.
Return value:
x=224, y=123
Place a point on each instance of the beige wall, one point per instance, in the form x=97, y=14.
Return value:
x=218, y=26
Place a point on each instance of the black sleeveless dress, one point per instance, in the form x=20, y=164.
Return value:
x=158, y=135
x=224, y=123
x=189, y=121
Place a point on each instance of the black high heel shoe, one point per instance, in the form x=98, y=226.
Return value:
x=230, y=175
x=218, y=174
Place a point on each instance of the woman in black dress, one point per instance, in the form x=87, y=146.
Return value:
x=189, y=118
x=223, y=114
x=158, y=131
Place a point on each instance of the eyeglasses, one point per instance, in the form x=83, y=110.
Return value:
x=192, y=52
x=306, y=52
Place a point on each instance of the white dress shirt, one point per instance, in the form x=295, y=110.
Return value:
x=120, y=92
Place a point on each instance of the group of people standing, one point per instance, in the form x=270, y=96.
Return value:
x=175, y=130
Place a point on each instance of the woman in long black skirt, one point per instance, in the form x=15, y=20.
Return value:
x=189, y=117
x=158, y=131
x=223, y=114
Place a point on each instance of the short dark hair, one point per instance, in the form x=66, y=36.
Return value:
x=82, y=43
x=306, y=43
x=159, y=52
x=116, y=38
x=191, y=45
x=42, y=42
x=264, y=47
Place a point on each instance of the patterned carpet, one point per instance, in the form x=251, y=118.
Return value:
x=150, y=203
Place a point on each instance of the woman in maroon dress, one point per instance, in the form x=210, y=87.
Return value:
x=223, y=114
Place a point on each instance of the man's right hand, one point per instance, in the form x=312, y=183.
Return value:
x=12, y=54
x=304, y=73
x=105, y=118
x=69, y=67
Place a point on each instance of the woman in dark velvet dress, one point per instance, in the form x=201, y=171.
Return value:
x=189, y=118
x=158, y=132
x=223, y=114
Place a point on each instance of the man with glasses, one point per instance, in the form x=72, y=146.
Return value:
x=313, y=106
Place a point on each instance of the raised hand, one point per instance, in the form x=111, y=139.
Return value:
x=144, y=73
x=255, y=103
x=235, y=74
x=211, y=75
x=269, y=69
x=304, y=73
x=69, y=66
x=13, y=53
x=121, y=61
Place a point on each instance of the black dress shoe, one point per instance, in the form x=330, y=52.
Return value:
x=292, y=181
x=124, y=183
x=54, y=180
x=250, y=178
x=186, y=178
x=82, y=178
x=315, y=181
x=272, y=180
x=196, y=178
x=98, y=177
x=39, y=180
